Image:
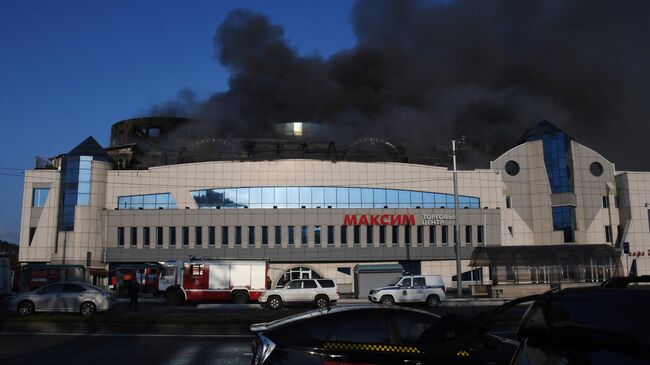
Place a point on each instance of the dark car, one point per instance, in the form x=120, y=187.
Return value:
x=600, y=325
x=366, y=334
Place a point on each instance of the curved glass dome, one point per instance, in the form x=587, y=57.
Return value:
x=326, y=197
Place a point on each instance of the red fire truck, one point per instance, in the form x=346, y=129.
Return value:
x=203, y=279
x=145, y=274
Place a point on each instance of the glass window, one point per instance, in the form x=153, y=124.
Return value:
x=145, y=236
x=445, y=234
x=606, y=202
x=379, y=198
x=420, y=234
x=268, y=198
x=405, y=282
x=243, y=195
x=404, y=199
x=369, y=234
x=392, y=197
x=185, y=235
x=419, y=282
x=395, y=234
x=172, y=236
x=344, y=233
x=251, y=235
x=134, y=236
x=432, y=234
x=149, y=201
x=330, y=235
x=224, y=236
x=212, y=236
x=255, y=198
x=318, y=196
x=407, y=234
x=120, y=236
x=428, y=200
x=291, y=233
x=317, y=235
x=309, y=284
x=382, y=234
x=480, y=234
x=305, y=197
x=265, y=235
x=330, y=197
x=230, y=198
x=73, y=288
x=564, y=220
x=39, y=197
x=326, y=283
x=608, y=233
x=355, y=197
x=159, y=236
x=303, y=235
x=367, y=198
x=416, y=199
x=281, y=198
x=278, y=235
x=411, y=325
x=198, y=236
x=238, y=235
x=468, y=234
x=293, y=198
x=357, y=234
x=342, y=198
x=51, y=289
x=508, y=202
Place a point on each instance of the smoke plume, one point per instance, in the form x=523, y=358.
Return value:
x=424, y=72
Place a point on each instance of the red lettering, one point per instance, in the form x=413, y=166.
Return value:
x=350, y=220
x=395, y=220
x=384, y=219
x=363, y=220
x=410, y=219
x=374, y=220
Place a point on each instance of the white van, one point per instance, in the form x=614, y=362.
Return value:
x=429, y=289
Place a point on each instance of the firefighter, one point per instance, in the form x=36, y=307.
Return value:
x=134, y=292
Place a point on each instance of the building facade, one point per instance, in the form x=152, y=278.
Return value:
x=321, y=217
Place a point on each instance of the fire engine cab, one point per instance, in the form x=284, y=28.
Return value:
x=237, y=281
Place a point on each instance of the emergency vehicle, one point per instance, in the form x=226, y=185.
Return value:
x=147, y=275
x=203, y=279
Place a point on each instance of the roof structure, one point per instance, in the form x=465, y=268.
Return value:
x=90, y=147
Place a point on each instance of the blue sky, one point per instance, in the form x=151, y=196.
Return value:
x=70, y=69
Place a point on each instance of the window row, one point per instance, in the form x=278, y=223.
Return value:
x=330, y=197
x=149, y=201
x=299, y=235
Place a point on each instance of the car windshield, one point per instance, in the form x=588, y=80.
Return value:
x=395, y=281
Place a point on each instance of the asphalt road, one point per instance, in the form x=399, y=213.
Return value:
x=224, y=338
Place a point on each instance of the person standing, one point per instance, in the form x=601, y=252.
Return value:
x=134, y=292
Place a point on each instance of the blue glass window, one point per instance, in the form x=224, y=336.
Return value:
x=564, y=219
x=308, y=197
x=39, y=197
x=158, y=201
x=75, y=184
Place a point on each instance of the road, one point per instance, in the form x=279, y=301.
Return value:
x=173, y=344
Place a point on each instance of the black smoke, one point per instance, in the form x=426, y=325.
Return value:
x=423, y=72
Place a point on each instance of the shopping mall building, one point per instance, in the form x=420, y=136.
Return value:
x=549, y=208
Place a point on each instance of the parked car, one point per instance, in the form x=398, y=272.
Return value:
x=320, y=292
x=63, y=297
x=429, y=289
x=367, y=334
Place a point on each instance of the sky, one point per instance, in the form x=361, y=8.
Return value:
x=70, y=69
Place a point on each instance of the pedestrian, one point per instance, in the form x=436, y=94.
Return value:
x=134, y=292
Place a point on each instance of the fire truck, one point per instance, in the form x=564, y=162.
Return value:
x=207, y=279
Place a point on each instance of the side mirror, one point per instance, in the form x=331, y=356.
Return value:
x=452, y=334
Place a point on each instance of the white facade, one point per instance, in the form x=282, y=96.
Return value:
x=515, y=209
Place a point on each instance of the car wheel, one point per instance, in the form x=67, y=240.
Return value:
x=87, y=309
x=321, y=301
x=387, y=300
x=239, y=297
x=275, y=302
x=25, y=308
x=174, y=297
x=433, y=301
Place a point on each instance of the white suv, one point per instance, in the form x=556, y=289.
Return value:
x=320, y=292
x=428, y=289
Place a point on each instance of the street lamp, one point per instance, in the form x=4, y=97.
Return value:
x=456, y=145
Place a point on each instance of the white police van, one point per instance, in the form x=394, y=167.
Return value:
x=429, y=289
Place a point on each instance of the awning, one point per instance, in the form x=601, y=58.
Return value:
x=379, y=268
x=546, y=255
x=98, y=271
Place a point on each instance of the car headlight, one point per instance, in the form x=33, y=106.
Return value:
x=372, y=292
x=264, y=349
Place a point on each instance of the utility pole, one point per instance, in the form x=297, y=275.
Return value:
x=456, y=144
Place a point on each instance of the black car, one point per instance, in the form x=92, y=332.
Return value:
x=368, y=334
